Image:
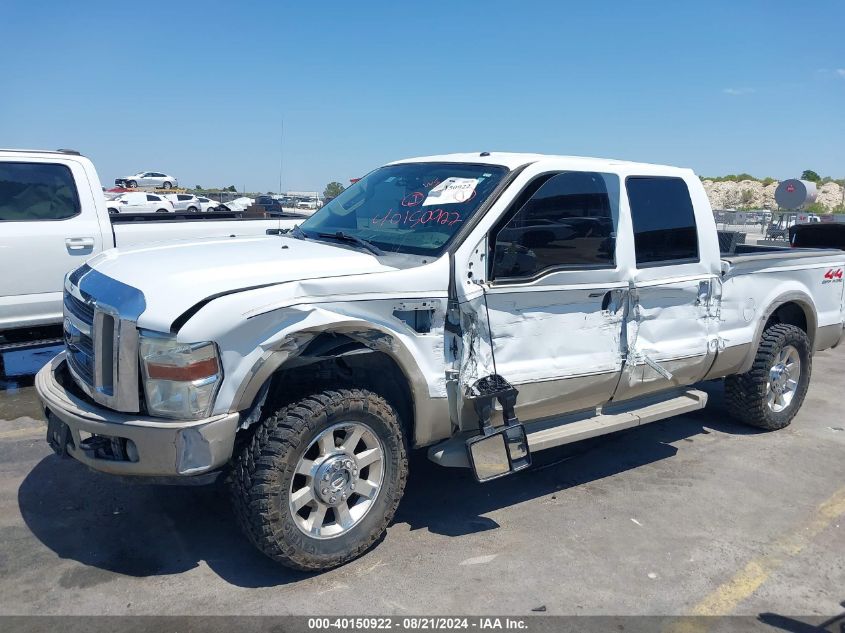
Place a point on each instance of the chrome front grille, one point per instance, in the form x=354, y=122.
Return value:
x=78, y=335
x=101, y=338
x=79, y=308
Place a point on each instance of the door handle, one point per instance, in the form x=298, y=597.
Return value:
x=79, y=243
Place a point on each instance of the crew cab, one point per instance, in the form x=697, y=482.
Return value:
x=54, y=216
x=484, y=306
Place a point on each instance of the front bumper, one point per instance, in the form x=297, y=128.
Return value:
x=162, y=448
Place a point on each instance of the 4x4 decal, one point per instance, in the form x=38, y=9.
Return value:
x=833, y=275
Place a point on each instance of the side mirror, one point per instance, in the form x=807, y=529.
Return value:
x=499, y=453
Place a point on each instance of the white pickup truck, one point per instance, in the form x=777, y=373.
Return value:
x=53, y=216
x=485, y=306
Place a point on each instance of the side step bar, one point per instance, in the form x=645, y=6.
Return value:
x=566, y=430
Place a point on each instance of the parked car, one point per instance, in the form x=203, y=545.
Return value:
x=53, y=218
x=271, y=205
x=148, y=179
x=240, y=204
x=304, y=368
x=140, y=202
x=207, y=204
x=184, y=202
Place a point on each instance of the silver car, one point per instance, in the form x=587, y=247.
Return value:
x=184, y=202
x=148, y=179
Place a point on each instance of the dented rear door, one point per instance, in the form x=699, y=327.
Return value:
x=672, y=313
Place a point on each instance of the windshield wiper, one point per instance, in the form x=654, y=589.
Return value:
x=346, y=237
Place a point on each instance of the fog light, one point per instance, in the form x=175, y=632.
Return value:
x=131, y=451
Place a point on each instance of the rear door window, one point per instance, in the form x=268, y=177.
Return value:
x=663, y=219
x=37, y=191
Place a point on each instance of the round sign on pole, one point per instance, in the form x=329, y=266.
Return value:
x=795, y=194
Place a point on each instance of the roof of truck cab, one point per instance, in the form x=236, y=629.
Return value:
x=63, y=152
x=512, y=160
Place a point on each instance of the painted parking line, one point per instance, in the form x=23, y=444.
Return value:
x=32, y=431
x=727, y=597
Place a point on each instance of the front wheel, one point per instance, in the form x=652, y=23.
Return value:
x=771, y=393
x=320, y=479
x=166, y=184
x=192, y=209
x=132, y=184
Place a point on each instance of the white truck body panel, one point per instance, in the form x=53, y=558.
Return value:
x=36, y=255
x=664, y=326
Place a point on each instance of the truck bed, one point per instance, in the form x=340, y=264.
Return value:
x=130, y=229
x=775, y=254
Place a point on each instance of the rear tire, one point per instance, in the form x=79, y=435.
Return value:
x=132, y=184
x=285, y=478
x=192, y=209
x=770, y=394
x=162, y=211
x=166, y=184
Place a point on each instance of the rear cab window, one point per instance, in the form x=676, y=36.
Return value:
x=37, y=192
x=663, y=219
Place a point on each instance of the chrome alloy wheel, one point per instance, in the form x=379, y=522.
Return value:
x=783, y=379
x=337, y=480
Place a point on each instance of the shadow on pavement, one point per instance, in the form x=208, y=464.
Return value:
x=144, y=530
x=800, y=625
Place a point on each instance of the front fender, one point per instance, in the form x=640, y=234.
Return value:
x=261, y=344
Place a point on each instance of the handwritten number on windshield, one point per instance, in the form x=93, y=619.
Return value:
x=419, y=218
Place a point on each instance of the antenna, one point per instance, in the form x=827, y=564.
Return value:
x=489, y=329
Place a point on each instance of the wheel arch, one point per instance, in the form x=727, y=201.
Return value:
x=396, y=371
x=790, y=308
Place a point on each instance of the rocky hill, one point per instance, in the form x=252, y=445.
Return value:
x=753, y=194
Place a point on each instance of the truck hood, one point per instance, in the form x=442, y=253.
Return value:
x=175, y=276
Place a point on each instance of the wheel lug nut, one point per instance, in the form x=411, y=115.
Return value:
x=352, y=485
x=325, y=491
x=326, y=477
x=333, y=499
x=343, y=496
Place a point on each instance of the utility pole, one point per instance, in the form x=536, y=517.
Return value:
x=281, y=155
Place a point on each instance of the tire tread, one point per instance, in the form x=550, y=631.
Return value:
x=255, y=467
x=745, y=394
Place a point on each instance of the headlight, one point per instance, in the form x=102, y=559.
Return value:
x=180, y=379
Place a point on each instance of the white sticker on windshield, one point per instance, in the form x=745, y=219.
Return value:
x=453, y=190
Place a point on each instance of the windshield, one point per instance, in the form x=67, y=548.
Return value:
x=412, y=208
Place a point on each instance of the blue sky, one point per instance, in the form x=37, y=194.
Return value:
x=201, y=89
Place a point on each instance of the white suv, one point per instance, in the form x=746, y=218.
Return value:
x=184, y=202
x=208, y=204
x=148, y=179
x=135, y=201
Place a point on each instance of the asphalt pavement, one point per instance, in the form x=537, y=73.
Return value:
x=692, y=515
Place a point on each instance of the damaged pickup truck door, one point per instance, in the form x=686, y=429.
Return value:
x=671, y=317
x=551, y=295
